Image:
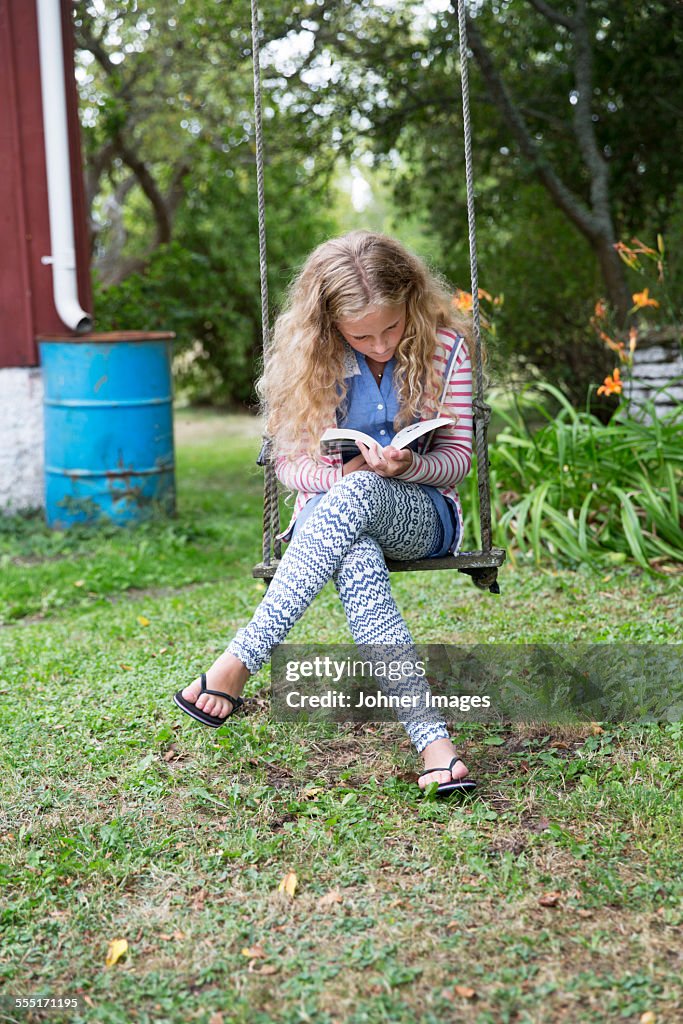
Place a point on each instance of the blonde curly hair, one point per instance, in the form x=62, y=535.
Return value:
x=303, y=380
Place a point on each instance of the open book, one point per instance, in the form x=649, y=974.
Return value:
x=344, y=438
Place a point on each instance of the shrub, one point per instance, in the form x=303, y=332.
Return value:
x=577, y=491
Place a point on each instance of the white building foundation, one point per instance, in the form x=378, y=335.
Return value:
x=22, y=484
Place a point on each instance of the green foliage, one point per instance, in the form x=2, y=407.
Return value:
x=399, y=81
x=166, y=105
x=579, y=492
x=204, y=285
x=547, y=276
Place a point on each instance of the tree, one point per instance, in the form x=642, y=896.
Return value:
x=163, y=89
x=556, y=100
x=166, y=104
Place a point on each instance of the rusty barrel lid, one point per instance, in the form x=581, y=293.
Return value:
x=106, y=337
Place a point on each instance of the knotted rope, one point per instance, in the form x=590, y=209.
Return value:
x=482, y=412
x=271, y=509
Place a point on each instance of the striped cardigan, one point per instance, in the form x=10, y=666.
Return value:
x=441, y=462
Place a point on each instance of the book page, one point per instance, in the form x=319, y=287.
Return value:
x=343, y=437
x=415, y=430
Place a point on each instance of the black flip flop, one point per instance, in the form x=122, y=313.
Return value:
x=215, y=721
x=460, y=786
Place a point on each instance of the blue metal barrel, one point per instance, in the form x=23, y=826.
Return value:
x=108, y=428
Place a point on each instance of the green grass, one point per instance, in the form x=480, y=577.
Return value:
x=123, y=819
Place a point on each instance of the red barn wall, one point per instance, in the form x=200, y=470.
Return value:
x=26, y=302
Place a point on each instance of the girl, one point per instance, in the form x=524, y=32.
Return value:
x=369, y=339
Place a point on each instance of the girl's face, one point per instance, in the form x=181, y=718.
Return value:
x=377, y=333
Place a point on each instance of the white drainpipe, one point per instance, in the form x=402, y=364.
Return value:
x=63, y=256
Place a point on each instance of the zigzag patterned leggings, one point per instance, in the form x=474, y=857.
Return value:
x=360, y=517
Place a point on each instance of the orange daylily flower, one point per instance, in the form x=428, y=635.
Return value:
x=600, y=309
x=598, y=320
x=616, y=346
x=463, y=300
x=632, y=339
x=642, y=299
x=627, y=255
x=612, y=384
x=643, y=248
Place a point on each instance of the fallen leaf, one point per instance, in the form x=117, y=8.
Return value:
x=254, y=952
x=216, y=1018
x=313, y=791
x=550, y=899
x=464, y=991
x=128, y=668
x=143, y=620
x=584, y=913
x=648, y=1017
x=198, y=900
x=79, y=583
x=117, y=947
x=88, y=1000
x=178, y=935
x=255, y=968
x=288, y=884
x=331, y=897
x=163, y=650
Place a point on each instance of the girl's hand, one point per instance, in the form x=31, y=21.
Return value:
x=354, y=464
x=386, y=462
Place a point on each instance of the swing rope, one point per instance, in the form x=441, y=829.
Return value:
x=482, y=566
x=481, y=410
x=271, y=511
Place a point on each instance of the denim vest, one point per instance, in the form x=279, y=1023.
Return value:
x=372, y=407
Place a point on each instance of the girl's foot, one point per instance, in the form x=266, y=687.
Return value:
x=436, y=755
x=227, y=673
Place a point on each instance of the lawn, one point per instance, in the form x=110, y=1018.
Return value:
x=555, y=896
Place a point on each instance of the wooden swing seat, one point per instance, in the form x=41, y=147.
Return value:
x=480, y=565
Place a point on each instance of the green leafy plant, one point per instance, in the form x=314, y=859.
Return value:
x=577, y=491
